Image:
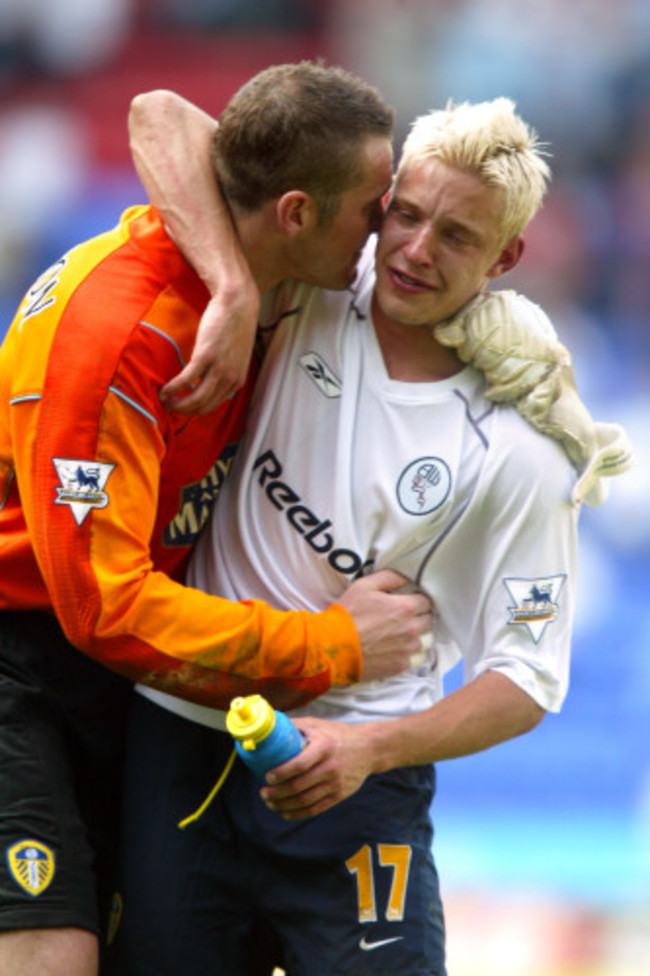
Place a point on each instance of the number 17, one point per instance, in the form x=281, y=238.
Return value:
x=397, y=856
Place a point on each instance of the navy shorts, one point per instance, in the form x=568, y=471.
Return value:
x=352, y=891
x=62, y=725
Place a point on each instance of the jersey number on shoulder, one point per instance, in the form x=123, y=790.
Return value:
x=395, y=856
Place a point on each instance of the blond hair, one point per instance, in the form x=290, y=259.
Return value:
x=491, y=140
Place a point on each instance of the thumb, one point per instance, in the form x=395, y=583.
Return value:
x=183, y=381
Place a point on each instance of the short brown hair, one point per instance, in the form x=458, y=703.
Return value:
x=297, y=126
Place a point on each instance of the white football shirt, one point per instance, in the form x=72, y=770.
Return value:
x=344, y=470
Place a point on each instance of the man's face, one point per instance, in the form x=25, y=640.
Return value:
x=439, y=243
x=329, y=254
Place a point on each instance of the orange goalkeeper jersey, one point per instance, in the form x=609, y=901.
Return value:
x=103, y=492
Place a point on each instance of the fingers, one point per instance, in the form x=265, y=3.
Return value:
x=306, y=795
x=308, y=804
x=418, y=648
x=389, y=581
x=420, y=657
x=186, y=379
x=390, y=616
x=207, y=393
x=189, y=403
x=384, y=580
x=300, y=797
x=299, y=787
x=421, y=606
x=320, y=776
x=189, y=392
x=206, y=396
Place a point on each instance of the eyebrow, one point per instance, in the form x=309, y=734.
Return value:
x=450, y=222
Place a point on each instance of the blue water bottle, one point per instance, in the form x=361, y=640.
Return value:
x=263, y=737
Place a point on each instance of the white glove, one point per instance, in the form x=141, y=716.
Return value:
x=513, y=343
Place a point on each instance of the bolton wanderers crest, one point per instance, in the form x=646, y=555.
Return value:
x=424, y=485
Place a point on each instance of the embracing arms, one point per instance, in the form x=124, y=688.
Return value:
x=170, y=142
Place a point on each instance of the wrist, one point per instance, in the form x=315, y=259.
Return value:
x=377, y=744
x=234, y=285
x=339, y=642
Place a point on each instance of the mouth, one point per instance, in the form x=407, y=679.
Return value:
x=406, y=282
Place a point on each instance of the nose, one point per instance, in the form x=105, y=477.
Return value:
x=420, y=246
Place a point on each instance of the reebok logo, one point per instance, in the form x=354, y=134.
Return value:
x=313, y=528
x=318, y=371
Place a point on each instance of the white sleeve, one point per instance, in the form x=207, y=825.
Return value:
x=510, y=566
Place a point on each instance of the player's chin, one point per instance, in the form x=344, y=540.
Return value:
x=348, y=274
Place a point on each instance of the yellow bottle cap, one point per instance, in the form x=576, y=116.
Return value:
x=250, y=720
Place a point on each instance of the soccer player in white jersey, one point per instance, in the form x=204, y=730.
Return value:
x=370, y=444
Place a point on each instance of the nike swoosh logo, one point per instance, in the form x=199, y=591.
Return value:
x=369, y=946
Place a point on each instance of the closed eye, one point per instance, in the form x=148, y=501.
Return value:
x=403, y=213
x=460, y=235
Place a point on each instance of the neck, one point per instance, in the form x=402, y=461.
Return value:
x=261, y=247
x=410, y=352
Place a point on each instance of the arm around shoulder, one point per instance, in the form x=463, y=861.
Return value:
x=171, y=142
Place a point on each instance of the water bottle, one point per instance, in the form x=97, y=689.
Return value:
x=263, y=737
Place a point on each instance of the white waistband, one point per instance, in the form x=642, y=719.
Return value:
x=212, y=717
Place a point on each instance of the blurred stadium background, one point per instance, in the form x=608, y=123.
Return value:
x=544, y=843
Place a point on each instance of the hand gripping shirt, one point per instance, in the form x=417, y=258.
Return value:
x=345, y=470
x=103, y=492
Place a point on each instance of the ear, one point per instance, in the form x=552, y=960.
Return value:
x=295, y=211
x=508, y=258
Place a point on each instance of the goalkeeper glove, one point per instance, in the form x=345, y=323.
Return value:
x=513, y=343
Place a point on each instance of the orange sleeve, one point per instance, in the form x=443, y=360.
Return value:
x=91, y=416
